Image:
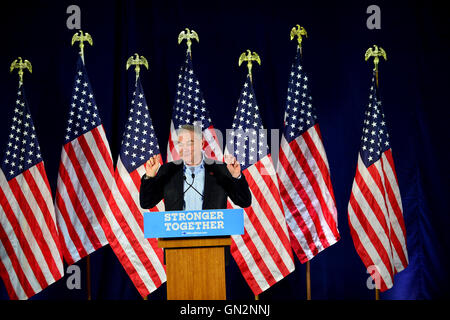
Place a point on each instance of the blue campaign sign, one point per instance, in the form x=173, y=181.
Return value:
x=193, y=223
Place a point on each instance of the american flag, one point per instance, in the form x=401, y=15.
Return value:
x=190, y=108
x=303, y=172
x=375, y=211
x=85, y=175
x=30, y=251
x=140, y=257
x=263, y=253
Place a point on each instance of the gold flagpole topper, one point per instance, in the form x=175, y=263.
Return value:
x=298, y=32
x=249, y=57
x=187, y=35
x=375, y=52
x=137, y=61
x=20, y=65
x=82, y=37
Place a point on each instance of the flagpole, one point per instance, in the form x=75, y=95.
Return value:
x=308, y=280
x=376, y=52
x=299, y=31
x=136, y=61
x=249, y=57
x=82, y=37
x=377, y=291
x=251, y=81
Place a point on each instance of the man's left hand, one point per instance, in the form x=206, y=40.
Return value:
x=233, y=165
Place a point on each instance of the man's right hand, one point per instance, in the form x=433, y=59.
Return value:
x=152, y=165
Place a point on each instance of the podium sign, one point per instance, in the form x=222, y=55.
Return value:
x=193, y=223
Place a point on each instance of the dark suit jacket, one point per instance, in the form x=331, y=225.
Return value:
x=219, y=183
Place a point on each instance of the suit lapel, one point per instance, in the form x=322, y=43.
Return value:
x=178, y=182
x=209, y=172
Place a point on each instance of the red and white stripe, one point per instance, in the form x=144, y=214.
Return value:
x=212, y=147
x=30, y=252
x=96, y=208
x=307, y=194
x=376, y=222
x=140, y=257
x=263, y=253
x=83, y=189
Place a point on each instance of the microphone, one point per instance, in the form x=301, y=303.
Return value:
x=191, y=185
x=193, y=177
x=182, y=196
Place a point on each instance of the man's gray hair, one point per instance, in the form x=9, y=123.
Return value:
x=194, y=128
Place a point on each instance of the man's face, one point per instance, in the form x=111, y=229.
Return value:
x=190, y=147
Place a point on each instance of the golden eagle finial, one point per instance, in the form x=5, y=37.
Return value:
x=375, y=52
x=298, y=32
x=20, y=65
x=188, y=35
x=137, y=61
x=82, y=37
x=249, y=57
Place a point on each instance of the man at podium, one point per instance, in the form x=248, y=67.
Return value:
x=195, y=182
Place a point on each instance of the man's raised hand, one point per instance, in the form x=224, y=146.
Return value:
x=233, y=165
x=152, y=165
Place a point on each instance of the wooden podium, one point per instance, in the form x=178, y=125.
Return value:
x=195, y=267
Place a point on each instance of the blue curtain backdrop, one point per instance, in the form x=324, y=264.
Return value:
x=413, y=84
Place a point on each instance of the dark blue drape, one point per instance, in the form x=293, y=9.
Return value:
x=413, y=85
